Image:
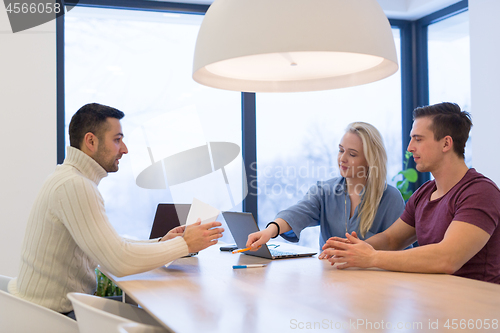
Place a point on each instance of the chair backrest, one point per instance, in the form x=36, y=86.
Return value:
x=20, y=316
x=141, y=328
x=96, y=314
x=4, y=281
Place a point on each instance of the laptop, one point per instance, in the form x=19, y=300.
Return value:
x=167, y=217
x=243, y=224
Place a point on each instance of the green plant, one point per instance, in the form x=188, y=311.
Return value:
x=409, y=176
x=106, y=287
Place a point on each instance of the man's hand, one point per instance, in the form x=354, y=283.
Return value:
x=354, y=253
x=329, y=245
x=175, y=232
x=200, y=236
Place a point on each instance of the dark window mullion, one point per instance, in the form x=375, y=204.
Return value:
x=60, y=118
x=159, y=6
x=249, y=150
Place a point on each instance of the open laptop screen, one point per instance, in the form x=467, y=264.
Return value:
x=167, y=217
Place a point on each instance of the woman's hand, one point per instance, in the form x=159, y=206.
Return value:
x=257, y=239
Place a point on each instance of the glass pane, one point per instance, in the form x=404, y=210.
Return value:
x=449, y=65
x=141, y=63
x=298, y=136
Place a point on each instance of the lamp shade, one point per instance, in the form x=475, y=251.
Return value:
x=293, y=45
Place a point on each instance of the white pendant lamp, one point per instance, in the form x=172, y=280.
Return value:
x=293, y=45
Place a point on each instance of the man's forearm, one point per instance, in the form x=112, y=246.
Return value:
x=379, y=242
x=422, y=259
x=383, y=242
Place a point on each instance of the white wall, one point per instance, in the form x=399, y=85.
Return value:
x=485, y=86
x=27, y=128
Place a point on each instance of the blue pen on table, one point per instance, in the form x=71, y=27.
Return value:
x=248, y=266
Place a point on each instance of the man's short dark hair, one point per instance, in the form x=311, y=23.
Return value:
x=448, y=119
x=90, y=118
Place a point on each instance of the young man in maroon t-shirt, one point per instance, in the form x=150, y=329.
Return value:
x=454, y=217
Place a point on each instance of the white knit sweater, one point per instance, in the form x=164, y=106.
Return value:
x=68, y=234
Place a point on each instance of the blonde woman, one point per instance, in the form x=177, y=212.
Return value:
x=358, y=201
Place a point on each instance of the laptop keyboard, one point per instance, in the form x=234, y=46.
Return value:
x=277, y=253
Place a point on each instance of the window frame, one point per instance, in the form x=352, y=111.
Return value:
x=415, y=70
x=414, y=78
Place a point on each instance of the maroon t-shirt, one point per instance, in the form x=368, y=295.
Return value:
x=475, y=199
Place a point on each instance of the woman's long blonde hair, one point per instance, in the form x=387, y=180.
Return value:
x=376, y=182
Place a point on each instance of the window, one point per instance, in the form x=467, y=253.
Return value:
x=141, y=62
x=298, y=136
x=449, y=65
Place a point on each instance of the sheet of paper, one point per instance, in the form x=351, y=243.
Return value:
x=202, y=211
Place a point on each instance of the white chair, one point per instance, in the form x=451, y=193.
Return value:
x=4, y=282
x=141, y=328
x=100, y=315
x=20, y=316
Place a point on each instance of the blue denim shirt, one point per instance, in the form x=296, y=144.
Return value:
x=325, y=205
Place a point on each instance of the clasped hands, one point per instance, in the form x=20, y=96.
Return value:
x=348, y=252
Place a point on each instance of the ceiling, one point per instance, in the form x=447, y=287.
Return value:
x=396, y=9
x=413, y=9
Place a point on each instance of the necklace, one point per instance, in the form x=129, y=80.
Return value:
x=345, y=207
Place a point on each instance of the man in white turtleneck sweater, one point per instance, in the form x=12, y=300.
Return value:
x=68, y=233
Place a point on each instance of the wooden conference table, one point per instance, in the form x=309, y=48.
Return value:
x=205, y=294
